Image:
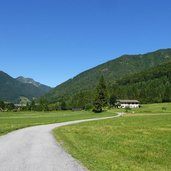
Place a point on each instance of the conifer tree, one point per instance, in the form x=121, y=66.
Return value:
x=101, y=96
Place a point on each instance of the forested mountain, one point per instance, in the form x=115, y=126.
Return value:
x=12, y=89
x=150, y=86
x=112, y=71
x=35, y=83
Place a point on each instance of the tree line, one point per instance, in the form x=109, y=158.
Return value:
x=151, y=86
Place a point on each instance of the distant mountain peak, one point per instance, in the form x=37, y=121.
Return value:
x=12, y=89
x=28, y=81
x=34, y=83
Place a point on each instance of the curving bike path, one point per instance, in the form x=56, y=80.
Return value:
x=35, y=149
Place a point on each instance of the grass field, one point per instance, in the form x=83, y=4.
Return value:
x=154, y=108
x=10, y=121
x=135, y=142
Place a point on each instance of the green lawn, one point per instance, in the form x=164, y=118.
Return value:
x=10, y=121
x=139, y=141
x=136, y=142
x=154, y=108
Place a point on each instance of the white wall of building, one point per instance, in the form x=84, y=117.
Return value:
x=129, y=105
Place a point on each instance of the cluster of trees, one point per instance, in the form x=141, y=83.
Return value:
x=6, y=106
x=96, y=99
x=40, y=105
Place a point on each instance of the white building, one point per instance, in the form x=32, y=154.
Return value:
x=128, y=103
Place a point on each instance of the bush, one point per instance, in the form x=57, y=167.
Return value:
x=97, y=107
x=88, y=106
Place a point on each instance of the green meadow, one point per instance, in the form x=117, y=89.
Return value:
x=154, y=108
x=138, y=141
x=10, y=121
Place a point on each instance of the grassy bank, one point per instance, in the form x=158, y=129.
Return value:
x=10, y=121
x=132, y=143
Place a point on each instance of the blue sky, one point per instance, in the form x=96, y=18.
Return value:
x=54, y=40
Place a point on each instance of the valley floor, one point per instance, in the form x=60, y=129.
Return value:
x=35, y=149
x=10, y=121
x=139, y=141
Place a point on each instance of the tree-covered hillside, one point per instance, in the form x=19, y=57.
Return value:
x=12, y=89
x=150, y=86
x=112, y=70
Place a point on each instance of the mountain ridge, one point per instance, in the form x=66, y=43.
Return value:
x=11, y=89
x=111, y=70
x=33, y=82
x=28, y=80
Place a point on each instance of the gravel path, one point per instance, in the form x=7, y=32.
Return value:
x=35, y=149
